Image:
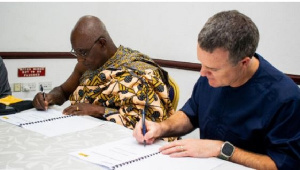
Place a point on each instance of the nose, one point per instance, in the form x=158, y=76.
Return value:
x=80, y=59
x=204, y=72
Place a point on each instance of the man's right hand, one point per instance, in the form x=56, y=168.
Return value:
x=39, y=103
x=153, y=131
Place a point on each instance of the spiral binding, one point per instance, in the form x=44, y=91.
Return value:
x=132, y=161
x=46, y=120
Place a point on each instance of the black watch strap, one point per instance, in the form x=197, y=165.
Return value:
x=222, y=156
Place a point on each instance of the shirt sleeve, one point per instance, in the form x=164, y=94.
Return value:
x=190, y=108
x=4, y=85
x=284, y=136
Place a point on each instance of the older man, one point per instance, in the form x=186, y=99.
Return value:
x=116, y=84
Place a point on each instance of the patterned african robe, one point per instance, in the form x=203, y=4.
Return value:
x=128, y=83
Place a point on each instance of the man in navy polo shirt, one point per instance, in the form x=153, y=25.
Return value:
x=248, y=112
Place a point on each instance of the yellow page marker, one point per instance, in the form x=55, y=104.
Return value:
x=82, y=154
x=4, y=117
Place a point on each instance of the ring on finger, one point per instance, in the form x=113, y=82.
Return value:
x=77, y=108
x=180, y=148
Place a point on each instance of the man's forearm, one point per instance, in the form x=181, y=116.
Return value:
x=177, y=125
x=252, y=160
x=57, y=96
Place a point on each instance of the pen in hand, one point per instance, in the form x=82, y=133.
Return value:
x=144, y=125
x=42, y=90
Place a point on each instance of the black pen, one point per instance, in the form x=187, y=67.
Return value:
x=144, y=125
x=42, y=90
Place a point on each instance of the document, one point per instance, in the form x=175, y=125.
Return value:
x=128, y=154
x=51, y=122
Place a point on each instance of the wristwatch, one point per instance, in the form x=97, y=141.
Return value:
x=227, y=150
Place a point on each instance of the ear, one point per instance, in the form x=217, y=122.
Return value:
x=102, y=41
x=245, y=62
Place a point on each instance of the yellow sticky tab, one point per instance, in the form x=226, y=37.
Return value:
x=4, y=117
x=82, y=154
x=10, y=100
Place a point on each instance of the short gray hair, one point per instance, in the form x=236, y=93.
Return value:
x=232, y=31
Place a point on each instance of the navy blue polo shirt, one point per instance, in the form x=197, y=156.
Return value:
x=261, y=116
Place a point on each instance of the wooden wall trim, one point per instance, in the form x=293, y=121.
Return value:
x=178, y=64
x=36, y=55
x=67, y=55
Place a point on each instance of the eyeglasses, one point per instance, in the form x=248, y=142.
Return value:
x=84, y=52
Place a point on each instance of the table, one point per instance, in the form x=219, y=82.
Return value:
x=21, y=149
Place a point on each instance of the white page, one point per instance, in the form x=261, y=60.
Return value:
x=31, y=115
x=114, y=153
x=51, y=122
x=161, y=161
x=63, y=126
x=126, y=152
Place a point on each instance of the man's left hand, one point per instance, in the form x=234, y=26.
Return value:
x=84, y=109
x=192, y=148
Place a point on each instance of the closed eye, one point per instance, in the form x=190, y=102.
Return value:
x=212, y=69
x=83, y=52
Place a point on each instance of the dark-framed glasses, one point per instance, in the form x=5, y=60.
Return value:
x=84, y=52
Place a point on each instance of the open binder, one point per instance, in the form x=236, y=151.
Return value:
x=127, y=154
x=51, y=122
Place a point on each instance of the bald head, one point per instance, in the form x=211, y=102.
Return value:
x=91, y=41
x=89, y=27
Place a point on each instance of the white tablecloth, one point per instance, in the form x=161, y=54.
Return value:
x=21, y=149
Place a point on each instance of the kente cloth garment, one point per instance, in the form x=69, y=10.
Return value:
x=128, y=83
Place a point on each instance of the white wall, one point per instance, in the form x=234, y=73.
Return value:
x=161, y=30
x=57, y=71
